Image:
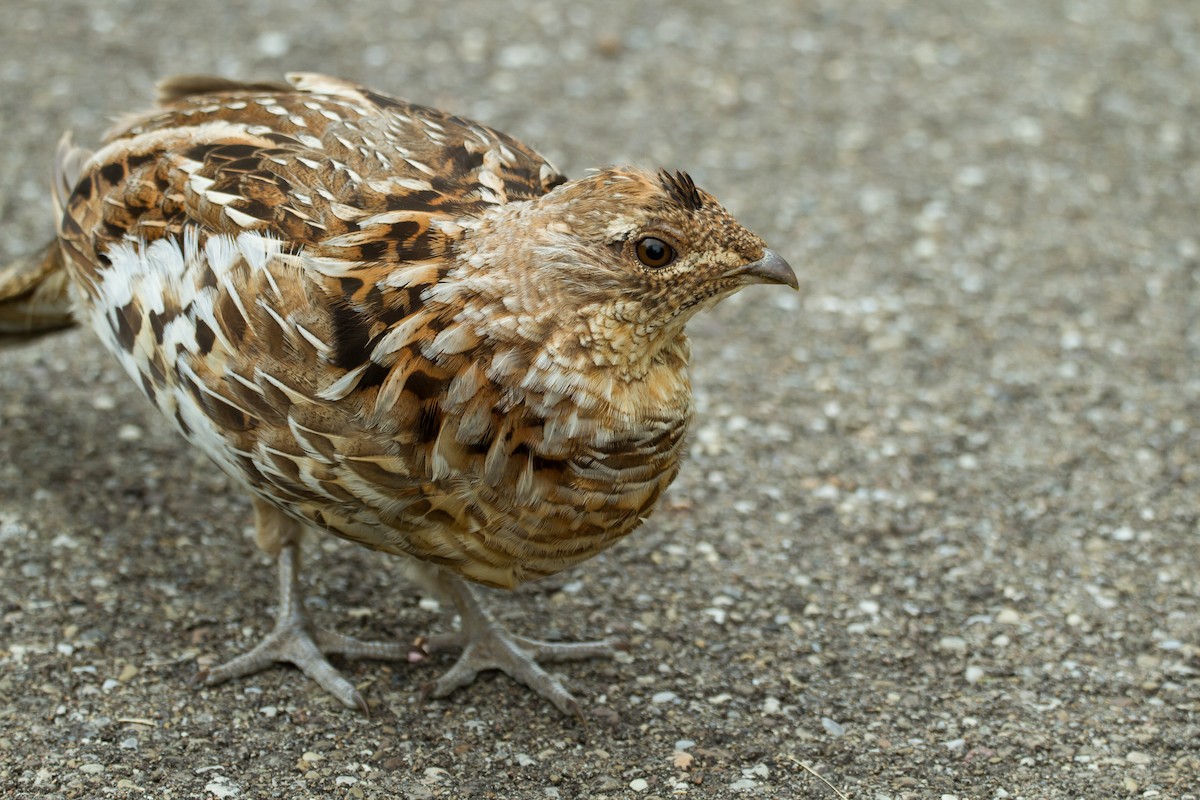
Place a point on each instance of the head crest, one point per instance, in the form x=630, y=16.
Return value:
x=682, y=188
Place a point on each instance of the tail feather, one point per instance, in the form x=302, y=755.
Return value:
x=34, y=296
x=34, y=289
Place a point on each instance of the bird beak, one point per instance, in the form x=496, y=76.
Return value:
x=771, y=268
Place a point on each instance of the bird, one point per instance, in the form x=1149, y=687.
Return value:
x=397, y=326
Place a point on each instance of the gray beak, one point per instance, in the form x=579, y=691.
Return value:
x=771, y=268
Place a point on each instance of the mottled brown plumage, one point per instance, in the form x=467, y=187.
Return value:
x=403, y=328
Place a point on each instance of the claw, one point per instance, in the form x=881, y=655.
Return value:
x=294, y=640
x=488, y=646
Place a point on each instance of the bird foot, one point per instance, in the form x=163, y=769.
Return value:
x=292, y=642
x=296, y=641
x=490, y=646
x=487, y=645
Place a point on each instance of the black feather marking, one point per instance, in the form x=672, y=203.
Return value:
x=350, y=336
x=682, y=188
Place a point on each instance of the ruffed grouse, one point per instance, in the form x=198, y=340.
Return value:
x=397, y=326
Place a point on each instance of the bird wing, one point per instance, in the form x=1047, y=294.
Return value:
x=245, y=246
x=343, y=171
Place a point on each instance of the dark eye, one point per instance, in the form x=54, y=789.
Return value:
x=654, y=253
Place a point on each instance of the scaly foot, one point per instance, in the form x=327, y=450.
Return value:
x=486, y=645
x=296, y=641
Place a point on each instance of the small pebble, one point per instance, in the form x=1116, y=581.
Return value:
x=1008, y=616
x=833, y=728
x=664, y=697
x=953, y=644
x=129, y=433
x=274, y=44
x=221, y=787
x=1137, y=757
x=974, y=674
x=96, y=769
x=639, y=785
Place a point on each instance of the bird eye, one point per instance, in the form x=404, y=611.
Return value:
x=654, y=253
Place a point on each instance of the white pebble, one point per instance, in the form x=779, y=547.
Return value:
x=974, y=674
x=268, y=711
x=971, y=176
x=1070, y=340
x=274, y=44
x=716, y=614
x=639, y=785
x=664, y=697
x=96, y=769
x=953, y=644
x=925, y=247
x=221, y=787
x=833, y=728
x=1027, y=130
x=1008, y=616
x=129, y=433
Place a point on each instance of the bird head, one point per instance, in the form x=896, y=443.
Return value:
x=619, y=260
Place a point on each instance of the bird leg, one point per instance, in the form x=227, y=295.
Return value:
x=487, y=645
x=296, y=640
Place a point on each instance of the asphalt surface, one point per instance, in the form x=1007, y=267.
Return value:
x=937, y=535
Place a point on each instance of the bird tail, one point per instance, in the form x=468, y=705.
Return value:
x=34, y=296
x=34, y=289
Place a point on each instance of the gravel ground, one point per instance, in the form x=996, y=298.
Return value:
x=937, y=534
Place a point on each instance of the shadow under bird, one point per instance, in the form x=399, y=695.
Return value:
x=397, y=326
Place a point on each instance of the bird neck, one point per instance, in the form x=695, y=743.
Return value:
x=525, y=277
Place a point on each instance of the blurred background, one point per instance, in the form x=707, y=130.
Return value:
x=938, y=531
